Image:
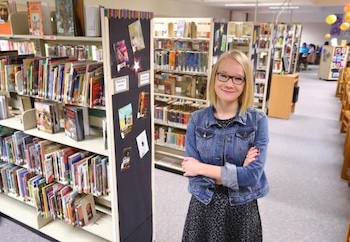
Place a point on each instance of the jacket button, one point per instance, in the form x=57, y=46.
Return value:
x=204, y=135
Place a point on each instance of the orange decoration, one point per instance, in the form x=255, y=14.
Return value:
x=347, y=17
x=347, y=8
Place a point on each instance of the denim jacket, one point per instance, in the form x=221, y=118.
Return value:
x=213, y=144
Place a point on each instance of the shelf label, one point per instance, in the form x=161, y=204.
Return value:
x=49, y=37
x=121, y=84
x=144, y=78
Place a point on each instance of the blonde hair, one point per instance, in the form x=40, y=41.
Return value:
x=247, y=96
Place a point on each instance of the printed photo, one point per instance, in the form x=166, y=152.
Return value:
x=136, y=36
x=125, y=120
x=142, y=143
x=4, y=11
x=35, y=23
x=126, y=159
x=143, y=105
x=121, y=54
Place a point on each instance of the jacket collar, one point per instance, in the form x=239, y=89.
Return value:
x=242, y=119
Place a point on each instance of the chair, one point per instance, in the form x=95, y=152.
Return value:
x=346, y=161
x=311, y=58
x=347, y=236
x=344, y=119
x=340, y=82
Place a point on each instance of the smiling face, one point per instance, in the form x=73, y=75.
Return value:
x=228, y=92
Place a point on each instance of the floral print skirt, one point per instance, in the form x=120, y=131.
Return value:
x=220, y=222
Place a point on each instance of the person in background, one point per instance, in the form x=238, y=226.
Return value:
x=303, y=52
x=321, y=47
x=311, y=48
x=311, y=57
x=226, y=148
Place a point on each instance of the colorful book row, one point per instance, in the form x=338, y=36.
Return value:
x=84, y=171
x=169, y=136
x=184, y=45
x=187, y=61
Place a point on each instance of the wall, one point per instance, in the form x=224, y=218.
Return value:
x=161, y=8
x=239, y=16
x=314, y=33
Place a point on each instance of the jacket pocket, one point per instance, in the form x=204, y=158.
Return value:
x=204, y=139
x=245, y=139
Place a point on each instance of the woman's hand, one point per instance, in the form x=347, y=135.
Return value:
x=191, y=166
x=253, y=152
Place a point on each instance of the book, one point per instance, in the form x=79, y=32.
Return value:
x=121, y=54
x=10, y=76
x=143, y=108
x=46, y=114
x=136, y=36
x=88, y=209
x=74, y=122
x=70, y=17
x=35, y=18
x=92, y=69
x=6, y=8
x=64, y=164
x=92, y=20
x=4, y=114
x=65, y=17
x=79, y=20
x=180, y=28
x=97, y=89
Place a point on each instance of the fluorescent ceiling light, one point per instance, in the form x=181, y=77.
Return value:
x=285, y=7
x=253, y=4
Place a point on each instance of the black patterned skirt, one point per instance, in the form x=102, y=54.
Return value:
x=220, y=222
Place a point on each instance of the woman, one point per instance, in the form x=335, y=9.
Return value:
x=226, y=147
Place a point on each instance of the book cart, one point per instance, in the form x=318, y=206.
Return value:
x=184, y=51
x=119, y=215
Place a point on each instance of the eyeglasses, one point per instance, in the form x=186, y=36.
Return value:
x=235, y=79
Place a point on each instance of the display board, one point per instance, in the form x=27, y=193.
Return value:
x=332, y=59
x=128, y=84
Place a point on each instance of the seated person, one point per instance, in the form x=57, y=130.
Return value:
x=303, y=53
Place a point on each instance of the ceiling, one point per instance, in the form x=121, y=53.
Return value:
x=305, y=6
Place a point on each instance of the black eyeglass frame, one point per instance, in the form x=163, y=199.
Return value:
x=235, y=80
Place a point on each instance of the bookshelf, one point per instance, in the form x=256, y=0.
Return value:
x=298, y=29
x=184, y=51
x=286, y=49
x=114, y=222
x=254, y=39
x=264, y=66
x=279, y=33
x=240, y=36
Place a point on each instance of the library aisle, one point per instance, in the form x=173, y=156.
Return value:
x=307, y=201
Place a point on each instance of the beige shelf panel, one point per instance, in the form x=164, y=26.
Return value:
x=22, y=212
x=100, y=230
